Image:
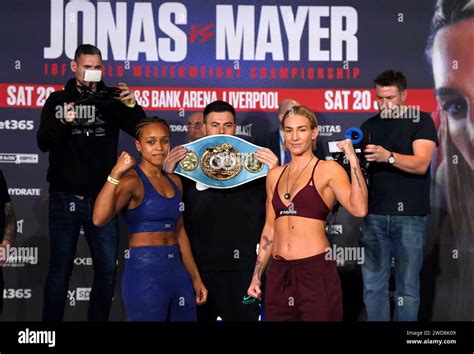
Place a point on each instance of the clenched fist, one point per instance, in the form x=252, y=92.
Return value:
x=347, y=148
x=124, y=163
x=254, y=288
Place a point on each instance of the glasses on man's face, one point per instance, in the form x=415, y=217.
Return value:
x=195, y=125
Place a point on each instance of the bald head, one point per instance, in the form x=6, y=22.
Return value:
x=285, y=105
x=196, y=128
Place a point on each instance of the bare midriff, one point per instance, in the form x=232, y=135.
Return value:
x=297, y=237
x=141, y=239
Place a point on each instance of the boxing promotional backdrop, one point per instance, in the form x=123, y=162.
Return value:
x=180, y=56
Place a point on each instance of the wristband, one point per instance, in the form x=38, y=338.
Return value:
x=113, y=180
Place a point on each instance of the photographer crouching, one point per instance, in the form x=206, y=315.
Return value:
x=80, y=128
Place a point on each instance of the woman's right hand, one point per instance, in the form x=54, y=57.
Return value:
x=124, y=163
x=254, y=288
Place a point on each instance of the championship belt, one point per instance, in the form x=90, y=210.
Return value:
x=221, y=161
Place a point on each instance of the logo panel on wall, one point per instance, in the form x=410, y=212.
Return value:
x=25, y=192
x=18, y=158
x=80, y=294
x=17, y=293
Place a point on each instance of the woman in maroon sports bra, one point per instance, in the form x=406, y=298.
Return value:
x=302, y=284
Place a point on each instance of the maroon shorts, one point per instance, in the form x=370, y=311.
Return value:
x=305, y=289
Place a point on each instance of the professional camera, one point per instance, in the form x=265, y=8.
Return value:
x=359, y=141
x=90, y=97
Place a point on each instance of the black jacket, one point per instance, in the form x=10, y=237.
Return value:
x=82, y=153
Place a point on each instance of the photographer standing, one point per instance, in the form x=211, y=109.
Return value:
x=402, y=143
x=80, y=128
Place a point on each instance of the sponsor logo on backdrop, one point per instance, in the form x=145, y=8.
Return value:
x=18, y=158
x=80, y=294
x=19, y=226
x=17, y=293
x=87, y=261
x=83, y=294
x=25, y=192
x=329, y=130
x=12, y=124
x=334, y=229
x=178, y=128
x=244, y=130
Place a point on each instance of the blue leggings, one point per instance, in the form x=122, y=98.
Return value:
x=156, y=286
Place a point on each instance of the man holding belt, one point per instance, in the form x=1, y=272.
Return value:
x=224, y=227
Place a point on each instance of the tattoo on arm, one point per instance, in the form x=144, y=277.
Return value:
x=267, y=242
x=357, y=177
x=258, y=268
x=10, y=224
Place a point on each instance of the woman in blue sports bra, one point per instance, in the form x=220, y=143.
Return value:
x=161, y=281
x=303, y=282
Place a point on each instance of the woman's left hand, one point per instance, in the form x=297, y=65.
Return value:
x=200, y=291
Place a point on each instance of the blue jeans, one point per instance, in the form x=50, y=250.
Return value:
x=402, y=237
x=67, y=213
